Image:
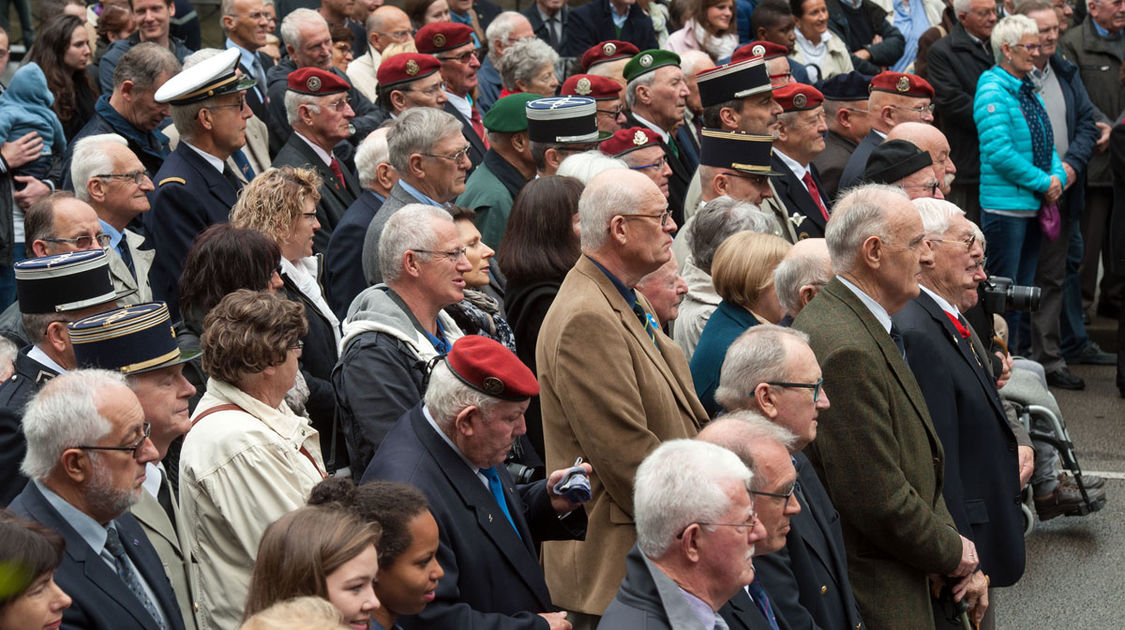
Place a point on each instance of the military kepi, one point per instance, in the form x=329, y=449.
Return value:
x=733, y=80
x=487, y=366
x=131, y=340
x=65, y=282
x=739, y=151
x=211, y=77
x=563, y=120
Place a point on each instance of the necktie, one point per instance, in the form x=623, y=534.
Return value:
x=646, y=321
x=164, y=498
x=762, y=601
x=964, y=332
x=896, y=337
x=552, y=33
x=672, y=146
x=814, y=192
x=243, y=164
x=498, y=494
x=338, y=172
x=125, y=570
x=478, y=124
x=231, y=177
x=126, y=255
x=260, y=77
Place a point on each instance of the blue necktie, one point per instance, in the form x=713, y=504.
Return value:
x=132, y=580
x=126, y=255
x=498, y=494
x=243, y=164
x=758, y=594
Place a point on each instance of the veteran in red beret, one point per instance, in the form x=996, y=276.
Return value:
x=452, y=44
x=453, y=448
x=799, y=199
x=409, y=80
x=777, y=60
x=608, y=59
x=605, y=91
x=639, y=147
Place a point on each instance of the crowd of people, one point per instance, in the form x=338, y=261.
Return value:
x=701, y=314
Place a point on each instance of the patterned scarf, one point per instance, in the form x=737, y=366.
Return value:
x=1042, y=136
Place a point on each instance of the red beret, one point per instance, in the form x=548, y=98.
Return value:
x=406, y=67
x=591, y=86
x=797, y=97
x=442, y=36
x=607, y=51
x=487, y=366
x=902, y=83
x=759, y=48
x=627, y=140
x=317, y=82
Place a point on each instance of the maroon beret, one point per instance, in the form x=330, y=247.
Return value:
x=607, y=51
x=317, y=82
x=628, y=140
x=442, y=36
x=487, y=366
x=797, y=97
x=759, y=48
x=902, y=83
x=591, y=86
x=406, y=67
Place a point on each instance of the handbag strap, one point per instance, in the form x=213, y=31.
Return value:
x=233, y=407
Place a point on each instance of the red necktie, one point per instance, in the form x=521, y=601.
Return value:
x=478, y=124
x=815, y=193
x=335, y=166
x=958, y=325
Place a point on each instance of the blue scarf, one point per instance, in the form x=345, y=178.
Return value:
x=1042, y=136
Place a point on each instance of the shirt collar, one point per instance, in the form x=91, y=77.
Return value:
x=114, y=236
x=419, y=195
x=1103, y=32
x=641, y=119
x=547, y=18
x=91, y=531
x=942, y=302
x=463, y=104
x=247, y=57
x=627, y=293
x=707, y=615
x=876, y=309
x=215, y=162
x=37, y=353
x=798, y=169
x=324, y=156
x=445, y=438
x=154, y=476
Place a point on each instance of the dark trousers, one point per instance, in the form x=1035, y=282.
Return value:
x=1050, y=276
x=1095, y=231
x=1013, y=252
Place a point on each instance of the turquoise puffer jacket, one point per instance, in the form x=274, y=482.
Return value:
x=1009, y=179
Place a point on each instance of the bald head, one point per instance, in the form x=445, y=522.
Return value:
x=888, y=110
x=931, y=140
x=799, y=276
x=383, y=24
x=624, y=224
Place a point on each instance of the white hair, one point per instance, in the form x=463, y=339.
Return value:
x=501, y=28
x=584, y=166
x=603, y=197
x=293, y=103
x=411, y=227
x=859, y=214
x=446, y=395
x=743, y=433
x=90, y=159
x=64, y=414
x=680, y=483
x=798, y=269
x=372, y=152
x=717, y=220
x=1010, y=31
x=631, y=87
x=961, y=7
x=937, y=214
x=523, y=61
x=291, y=26
x=692, y=62
x=758, y=355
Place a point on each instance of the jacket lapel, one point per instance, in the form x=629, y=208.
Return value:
x=964, y=347
x=148, y=511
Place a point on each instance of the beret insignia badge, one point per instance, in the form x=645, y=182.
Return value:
x=439, y=40
x=903, y=84
x=583, y=86
x=646, y=60
x=609, y=48
x=493, y=385
x=313, y=84
x=411, y=67
x=800, y=100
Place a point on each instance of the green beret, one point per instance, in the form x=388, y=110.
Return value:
x=507, y=115
x=649, y=60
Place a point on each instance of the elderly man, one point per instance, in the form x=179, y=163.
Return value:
x=798, y=201
x=769, y=370
x=453, y=448
x=696, y=533
x=548, y=21
x=642, y=150
x=246, y=23
x=845, y=107
x=139, y=342
x=505, y=30
x=897, y=529
x=664, y=288
x=931, y=140
x=607, y=20
x=343, y=260
x=606, y=93
x=692, y=62
x=113, y=181
x=609, y=377
x=131, y=110
x=195, y=188
x=153, y=20
x=800, y=275
x=394, y=328
x=45, y=308
x=608, y=59
x=507, y=166
x=430, y=154
x=901, y=163
x=452, y=43
x=409, y=80
x=982, y=475
x=895, y=98
x=559, y=126
x=385, y=26
x=88, y=443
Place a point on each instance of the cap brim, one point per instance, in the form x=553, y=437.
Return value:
x=185, y=356
x=74, y=306
x=602, y=137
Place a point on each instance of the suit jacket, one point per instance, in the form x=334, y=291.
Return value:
x=256, y=149
x=25, y=381
x=682, y=170
x=190, y=196
x=334, y=200
x=539, y=27
x=101, y=600
x=807, y=580
x=492, y=575
x=605, y=384
x=853, y=171
x=476, y=151
x=395, y=201
x=831, y=161
x=792, y=203
x=741, y=613
x=256, y=102
x=343, y=260
x=174, y=550
x=982, y=486
x=881, y=461
x=142, y=262
x=592, y=23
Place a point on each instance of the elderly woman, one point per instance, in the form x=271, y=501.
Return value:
x=710, y=28
x=478, y=313
x=1021, y=175
x=29, y=555
x=824, y=54
x=281, y=203
x=528, y=66
x=248, y=459
x=743, y=277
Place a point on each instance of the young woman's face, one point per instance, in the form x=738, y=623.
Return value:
x=39, y=608
x=351, y=588
x=437, y=12
x=719, y=16
x=408, y=584
x=77, y=55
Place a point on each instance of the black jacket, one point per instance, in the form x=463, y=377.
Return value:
x=953, y=66
x=367, y=117
x=857, y=163
x=539, y=27
x=592, y=23
x=791, y=192
x=343, y=260
x=25, y=381
x=334, y=199
x=883, y=54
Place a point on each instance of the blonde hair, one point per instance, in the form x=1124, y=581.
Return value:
x=299, y=613
x=273, y=201
x=744, y=264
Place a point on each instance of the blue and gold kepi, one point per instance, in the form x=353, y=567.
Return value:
x=564, y=120
x=214, y=76
x=733, y=80
x=130, y=340
x=744, y=152
x=65, y=282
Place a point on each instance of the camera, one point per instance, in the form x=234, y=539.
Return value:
x=999, y=295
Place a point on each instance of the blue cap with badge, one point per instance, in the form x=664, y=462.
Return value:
x=66, y=282
x=131, y=340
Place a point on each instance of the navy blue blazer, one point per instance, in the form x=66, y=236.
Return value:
x=492, y=576
x=982, y=486
x=726, y=324
x=343, y=260
x=26, y=379
x=857, y=163
x=741, y=613
x=334, y=200
x=102, y=601
x=791, y=192
x=592, y=23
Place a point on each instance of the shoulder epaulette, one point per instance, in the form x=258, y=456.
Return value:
x=178, y=180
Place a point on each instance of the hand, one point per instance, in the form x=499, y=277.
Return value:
x=1103, y=140
x=557, y=620
x=878, y=39
x=1006, y=363
x=862, y=53
x=561, y=504
x=19, y=152
x=969, y=561
x=1070, y=175
x=974, y=590
x=1027, y=464
x=1054, y=191
x=33, y=191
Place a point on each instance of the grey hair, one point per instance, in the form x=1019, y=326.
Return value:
x=418, y=130
x=961, y=7
x=584, y=166
x=1010, y=31
x=64, y=414
x=201, y=55
x=796, y=271
x=603, y=197
x=858, y=215
x=408, y=228
x=446, y=395
x=680, y=483
x=143, y=65
x=293, y=103
x=742, y=433
x=8, y=351
x=523, y=60
x=690, y=60
x=937, y=214
x=89, y=159
x=291, y=26
x=756, y=356
x=717, y=220
x=372, y=152
x=186, y=117
x=35, y=324
x=631, y=87
x=501, y=27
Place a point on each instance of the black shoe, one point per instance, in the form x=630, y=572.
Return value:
x=1091, y=482
x=1092, y=355
x=1111, y=310
x=1064, y=500
x=1063, y=378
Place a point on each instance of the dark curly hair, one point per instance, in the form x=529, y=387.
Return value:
x=49, y=50
x=247, y=332
x=390, y=504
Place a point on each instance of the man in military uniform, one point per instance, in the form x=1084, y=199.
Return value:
x=409, y=80
x=640, y=149
x=606, y=93
x=560, y=126
x=608, y=59
x=798, y=195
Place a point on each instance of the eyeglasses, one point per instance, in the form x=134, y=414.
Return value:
x=430, y=91
x=138, y=177
x=932, y=187
x=984, y=13
x=146, y=428
x=452, y=157
x=751, y=522
x=462, y=58
x=297, y=345
x=659, y=164
x=251, y=16
x=968, y=242
x=815, y=387
x=757, y=180
x=338, y=106
x=662, y=217
x=398, y=35
x=981, y=263
x=1031, y=48
x=454, y=255
x=239, y=105
x=921, y=109
x=83, y=242
x=613, y=113
x=855, y=110
x=775, y=495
